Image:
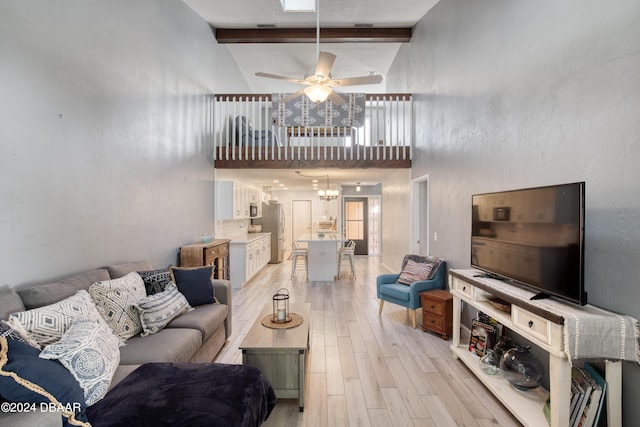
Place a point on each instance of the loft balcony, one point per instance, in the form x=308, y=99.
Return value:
x=247, y=134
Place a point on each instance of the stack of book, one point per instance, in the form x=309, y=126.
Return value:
x=484, y=331
x=588, y=390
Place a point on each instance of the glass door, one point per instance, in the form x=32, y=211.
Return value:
x=356, y=224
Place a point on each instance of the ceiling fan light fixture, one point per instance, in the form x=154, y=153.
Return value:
x=317, y=93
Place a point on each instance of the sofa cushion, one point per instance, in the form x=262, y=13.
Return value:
x=416, y=271
x=168, y=345
x=119, y=270
x=90, y=351
x=205, y=318
x=47, y=324
x=155, y=280
x=41, y=295
x=10, y=302
x=115, y=301
x=194, y=283
x=157, y=310
x=25, y=377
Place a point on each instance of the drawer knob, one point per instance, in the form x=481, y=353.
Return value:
x=531, y=323
x=464, y=288
x=432, y=306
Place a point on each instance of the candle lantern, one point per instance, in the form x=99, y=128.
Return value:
x=281, y=306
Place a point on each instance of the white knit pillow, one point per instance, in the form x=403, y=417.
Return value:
x=47, y=324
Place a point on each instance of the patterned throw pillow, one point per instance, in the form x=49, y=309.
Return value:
x=47, y=324
x=157, y=310
x=415, y=271
x=90, y=351
x=24, y=377
x=155, y=281
x=7, y=331
x=114, y=300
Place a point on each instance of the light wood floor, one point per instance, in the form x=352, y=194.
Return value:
x=365, y=370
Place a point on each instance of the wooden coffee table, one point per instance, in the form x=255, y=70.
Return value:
x=280, y=353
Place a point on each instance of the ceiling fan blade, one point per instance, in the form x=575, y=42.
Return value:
x=336, y=98
x=353, y=81
x=325, y=62
x=293, y=96
x=277, y=77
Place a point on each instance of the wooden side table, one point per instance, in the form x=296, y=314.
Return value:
x=437, y=312
x=215, y=253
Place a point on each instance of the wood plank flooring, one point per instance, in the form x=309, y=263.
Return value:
x=365, y=370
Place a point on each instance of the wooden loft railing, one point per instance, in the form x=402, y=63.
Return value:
x=384, y=141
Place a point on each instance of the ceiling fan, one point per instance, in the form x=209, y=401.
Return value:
x=320, y=84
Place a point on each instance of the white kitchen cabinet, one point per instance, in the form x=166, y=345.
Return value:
x=233, y=200
x=248, y=256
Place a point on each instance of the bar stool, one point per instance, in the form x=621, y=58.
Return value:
x=348, y=252
x=296, y=252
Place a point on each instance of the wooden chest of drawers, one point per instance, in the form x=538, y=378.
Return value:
x=437, y=312
x=215, y=253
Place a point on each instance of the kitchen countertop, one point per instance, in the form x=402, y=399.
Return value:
x=336, y=237
x=250, y=237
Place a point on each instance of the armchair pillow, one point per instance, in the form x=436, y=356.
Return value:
x=416, y=271
x=195, y=284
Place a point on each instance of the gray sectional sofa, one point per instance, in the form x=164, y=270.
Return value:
x=195, y=336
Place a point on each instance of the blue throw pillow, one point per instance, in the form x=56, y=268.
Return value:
x=195, y=284
x=26, y=378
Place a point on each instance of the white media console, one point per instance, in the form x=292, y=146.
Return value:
x=543, y=328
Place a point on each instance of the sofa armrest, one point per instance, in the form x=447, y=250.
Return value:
x=222, y=291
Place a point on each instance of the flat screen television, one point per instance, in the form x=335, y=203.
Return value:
x=532, y=237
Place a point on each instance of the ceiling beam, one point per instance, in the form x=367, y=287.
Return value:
x=308, y=35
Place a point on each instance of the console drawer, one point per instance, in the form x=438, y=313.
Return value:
x=531, y=324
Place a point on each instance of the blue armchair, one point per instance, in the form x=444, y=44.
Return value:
x=409, y=295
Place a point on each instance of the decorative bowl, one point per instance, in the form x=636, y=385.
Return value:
x=320, y=234
x=206, y=238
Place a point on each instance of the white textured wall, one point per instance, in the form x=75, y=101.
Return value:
x=519, y=94
x=396, y=224
x=104, y=151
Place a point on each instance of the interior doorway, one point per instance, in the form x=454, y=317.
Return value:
x=300, y=218
x=420, y=217
x=356, y=223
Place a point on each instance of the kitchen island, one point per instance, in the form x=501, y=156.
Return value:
x=322, y=256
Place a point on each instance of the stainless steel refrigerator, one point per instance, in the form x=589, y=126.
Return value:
x=272, y=221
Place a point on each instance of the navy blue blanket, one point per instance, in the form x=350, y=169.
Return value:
x=187, y=394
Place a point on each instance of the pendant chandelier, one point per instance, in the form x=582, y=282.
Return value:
x=328, y=194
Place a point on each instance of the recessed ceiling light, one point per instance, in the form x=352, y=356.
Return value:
x=275, y=180
x=315, y=181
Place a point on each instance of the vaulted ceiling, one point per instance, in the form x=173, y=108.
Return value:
x=297, y=59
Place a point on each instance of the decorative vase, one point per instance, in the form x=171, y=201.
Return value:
x=489, y=363
x=521, y=368
x=503, y=343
